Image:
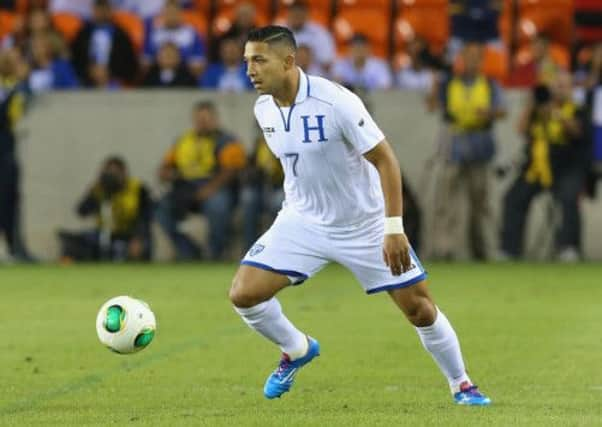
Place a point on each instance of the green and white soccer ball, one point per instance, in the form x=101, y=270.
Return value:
x=125, y=324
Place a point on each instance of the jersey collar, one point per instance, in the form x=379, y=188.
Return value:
x=304, y=87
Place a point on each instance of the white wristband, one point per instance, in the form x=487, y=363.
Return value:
x=394, y=225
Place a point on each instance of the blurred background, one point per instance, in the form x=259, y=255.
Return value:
x=127, y=129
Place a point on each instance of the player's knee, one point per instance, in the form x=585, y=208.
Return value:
x=421, y=312
x=241, y=295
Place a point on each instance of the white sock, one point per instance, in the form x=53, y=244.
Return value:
x=441, y=341
x=267, y=319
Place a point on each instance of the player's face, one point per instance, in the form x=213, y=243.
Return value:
x=266, y=67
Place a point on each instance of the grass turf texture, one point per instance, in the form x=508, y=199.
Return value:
x=530, y=334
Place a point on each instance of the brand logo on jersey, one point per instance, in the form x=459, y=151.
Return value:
x=318, y=127
x=255, y=249
x=268, y=130
x=361, y=123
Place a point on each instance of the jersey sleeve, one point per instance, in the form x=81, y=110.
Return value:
x=355, y=123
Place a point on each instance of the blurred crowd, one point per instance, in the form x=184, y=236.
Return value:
x=461, y=54
x=379, y=44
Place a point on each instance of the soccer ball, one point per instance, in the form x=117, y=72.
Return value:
x=125, y=324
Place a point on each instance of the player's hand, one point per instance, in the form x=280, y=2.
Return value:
x=396, y=253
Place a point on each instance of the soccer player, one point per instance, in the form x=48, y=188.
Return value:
x=343, y=204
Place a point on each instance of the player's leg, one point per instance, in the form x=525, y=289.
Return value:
x=434, y=329
x=281, y=257
x=410, y=293
x=253, y=296
x=439, y=339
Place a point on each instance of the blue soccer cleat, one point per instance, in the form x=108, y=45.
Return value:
x=281, y=380
x=470, y=395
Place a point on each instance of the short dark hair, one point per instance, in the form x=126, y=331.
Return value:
x=541, y=94
x=115, y=160
x=102, y=3
x=358, y=38
x=205, y=105
x=299, y=4
x=273, y=34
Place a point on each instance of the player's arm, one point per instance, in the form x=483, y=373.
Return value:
x=358, y=128
x=396, y=248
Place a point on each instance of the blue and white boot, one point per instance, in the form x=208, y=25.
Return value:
x=469, y=395
x=281, y=380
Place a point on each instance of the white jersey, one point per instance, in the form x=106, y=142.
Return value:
x=320, y=141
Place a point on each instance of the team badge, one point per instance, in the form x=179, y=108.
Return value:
x=257, y=248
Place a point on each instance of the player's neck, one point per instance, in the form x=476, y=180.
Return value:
x=286, y=96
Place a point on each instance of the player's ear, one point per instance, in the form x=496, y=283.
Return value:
x=289, y=61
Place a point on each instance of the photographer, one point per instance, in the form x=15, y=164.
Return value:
x=122, y=207
x=557, y=159
x=13, y=93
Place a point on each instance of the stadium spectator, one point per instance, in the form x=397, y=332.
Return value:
x=10, y=5
x=473, y=21
x=262, y=193
x=201, y=169
x=169, y=26
x=82, y=8
x=471, y=103
x=557, y=159
x=230, y=73
x=306, y=61
x=103, y=54
x=312, y=34
x=360, y=69
x=169, y=71
x=123, y=210
x=48, y=70
x=143, y=8
x=594, y=102
x=245, y=19
x=37, y=21
x=415, y=73
x=595, y=66
x=12, y=102
x=539, y=68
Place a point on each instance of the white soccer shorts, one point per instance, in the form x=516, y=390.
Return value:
x=298, y=249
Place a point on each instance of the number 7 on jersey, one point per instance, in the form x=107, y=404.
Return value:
x=292, y=159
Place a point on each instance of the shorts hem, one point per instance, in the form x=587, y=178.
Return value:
x=290, y=273
x=405, y=284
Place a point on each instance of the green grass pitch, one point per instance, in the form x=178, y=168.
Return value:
x=530, y=334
